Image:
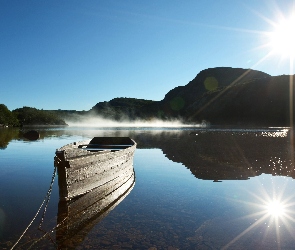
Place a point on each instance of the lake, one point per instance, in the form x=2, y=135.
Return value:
x=195, y=188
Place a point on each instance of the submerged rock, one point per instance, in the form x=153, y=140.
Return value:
x=31, y=135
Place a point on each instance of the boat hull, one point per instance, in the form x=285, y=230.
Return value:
x=86, y=165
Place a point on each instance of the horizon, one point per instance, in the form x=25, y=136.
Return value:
x=72, y=55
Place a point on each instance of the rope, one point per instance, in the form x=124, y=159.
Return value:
x=46, y=199
x=47, y=233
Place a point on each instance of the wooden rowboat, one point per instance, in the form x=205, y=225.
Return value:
x=86, y=165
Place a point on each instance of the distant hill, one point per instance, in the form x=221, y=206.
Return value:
x=230, y=96
x=219, y=96
x=259, y=102
x=33, y=116
x=185, y=101
x=212, y=79
x=7, y=118
x=122, y=108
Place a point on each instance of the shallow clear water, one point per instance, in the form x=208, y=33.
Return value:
x=194, y=189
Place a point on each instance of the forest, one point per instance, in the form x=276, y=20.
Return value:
x=28, y=116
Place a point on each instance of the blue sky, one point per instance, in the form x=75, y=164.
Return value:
x=68, y=54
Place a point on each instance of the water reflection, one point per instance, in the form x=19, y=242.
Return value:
x=78, y=216
x=273, y=215
x=228, y=155
x=168, y=207
x=211, y=154
x=6, y=135
x=225, y=154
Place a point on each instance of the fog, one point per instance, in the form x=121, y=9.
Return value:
x=102, y=122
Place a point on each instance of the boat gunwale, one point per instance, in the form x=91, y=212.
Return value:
x=84, y=152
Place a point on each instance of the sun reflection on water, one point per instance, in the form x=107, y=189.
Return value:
x=280, y=133
x=275, y=208
x=273, y=212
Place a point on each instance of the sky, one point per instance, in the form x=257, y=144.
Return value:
x=70, y=54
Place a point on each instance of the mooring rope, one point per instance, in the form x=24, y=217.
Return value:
x=46, y=199
x=47, y=234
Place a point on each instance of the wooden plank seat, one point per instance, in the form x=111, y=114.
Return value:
x=103, y=147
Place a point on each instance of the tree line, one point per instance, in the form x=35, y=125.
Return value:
x=28, y=116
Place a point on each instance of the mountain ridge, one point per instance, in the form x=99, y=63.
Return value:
x=217, y=96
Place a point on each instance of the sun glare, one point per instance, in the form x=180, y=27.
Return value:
x=273, y=211
x=275, y=208
x=282, y=39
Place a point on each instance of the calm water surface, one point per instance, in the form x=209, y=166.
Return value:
x=194, y=189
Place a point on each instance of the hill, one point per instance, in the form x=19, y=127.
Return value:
x=122, y=108
x=7, y=118
x=33, y=116
x=259, y=102
x=180, y=101
x=220, y=96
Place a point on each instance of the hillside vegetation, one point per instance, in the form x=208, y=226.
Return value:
x=28, y=116
x=33, y=116
x=122, y=108
x=7, y=118
x=219, y=96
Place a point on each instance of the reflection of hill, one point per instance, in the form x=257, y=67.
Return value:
x=229, y=155
x=211, y=154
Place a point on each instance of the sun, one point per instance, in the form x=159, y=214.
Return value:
x=282, y=38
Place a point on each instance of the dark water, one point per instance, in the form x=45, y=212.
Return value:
x=194, y=189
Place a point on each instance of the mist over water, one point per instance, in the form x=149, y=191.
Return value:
x=102, y=122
